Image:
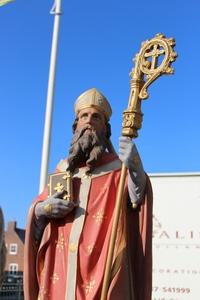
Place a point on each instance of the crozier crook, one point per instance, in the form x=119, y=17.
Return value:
x=153, y=60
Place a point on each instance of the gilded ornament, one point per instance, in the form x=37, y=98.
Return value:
x=90, y=249
x=59, y=187
x=89, y=286
x=60, y=242
x=134, y=205
x=54, y=278
x=73, y=247
x=153, y=60
x=99, y=216
x=48, y=208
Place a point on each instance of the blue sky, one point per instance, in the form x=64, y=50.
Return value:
x=98, y=40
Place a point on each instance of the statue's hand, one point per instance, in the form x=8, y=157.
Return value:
x=54, y=207
x=129, y=155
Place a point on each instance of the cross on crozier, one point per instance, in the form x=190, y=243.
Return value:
x=155, y=53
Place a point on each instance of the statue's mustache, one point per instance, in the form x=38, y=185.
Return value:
x=80, y=132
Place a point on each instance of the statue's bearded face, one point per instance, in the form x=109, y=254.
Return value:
x=89, y=140
x=93, y=117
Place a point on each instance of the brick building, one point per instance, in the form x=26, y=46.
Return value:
x=14, y=239
x=11, y=287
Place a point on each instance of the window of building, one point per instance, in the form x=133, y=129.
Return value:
x=13, y=249
x=13, y=268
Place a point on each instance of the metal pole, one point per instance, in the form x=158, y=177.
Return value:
x=56, y=10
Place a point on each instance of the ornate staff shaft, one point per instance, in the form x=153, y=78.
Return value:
x=153, y=60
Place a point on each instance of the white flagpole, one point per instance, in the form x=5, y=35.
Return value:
x=56, y=11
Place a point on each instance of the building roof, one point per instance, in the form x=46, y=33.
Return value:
x=21, y=234
x=12, y=226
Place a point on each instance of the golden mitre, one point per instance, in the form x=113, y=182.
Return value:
x=93, y=98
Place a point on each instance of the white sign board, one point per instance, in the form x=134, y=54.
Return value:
x=176, y=236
